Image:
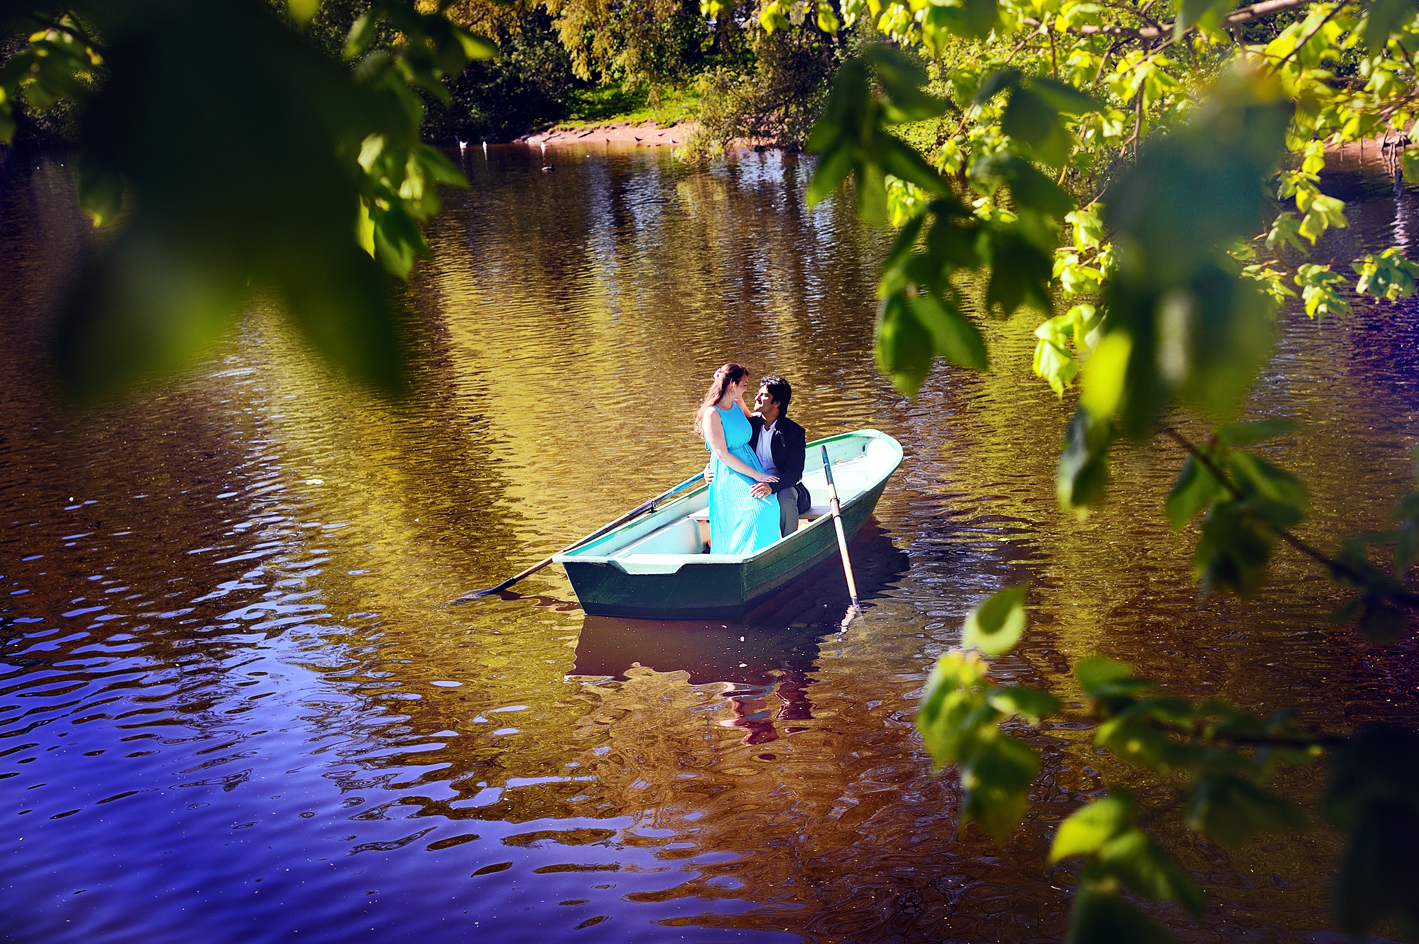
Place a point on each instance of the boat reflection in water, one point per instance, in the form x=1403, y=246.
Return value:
x=763, y=664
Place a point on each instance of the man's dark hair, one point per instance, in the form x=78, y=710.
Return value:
x=779, y=390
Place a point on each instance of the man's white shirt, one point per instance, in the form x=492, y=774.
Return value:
x=765, y=450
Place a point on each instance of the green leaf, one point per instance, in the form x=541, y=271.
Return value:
x=1063, y=97
x=902, y=79
x=302, y=10
x=1286, y=231
x=953, y=336
x=902, y=161
x=1209, y=13
x=1374, y=796
x=1383, y=623
x=1029, y=188
x=362, y=33
x=771, y=18
x=1020, y=273
x=1244, y=434
x=832, y=168
x=1146, y=869
x=1053, y=361
x=1029, y=703
x=995, y=625
x=968, y=19
x=1319, y=289
x=871, y=192
x=100, y=190
x=904, y=243
x=1234, y=549
x=1034, y=121
x=1322, y=214
x=952, y=241
x=1194, y=490
x=1089, y=827
x=904, y=346
x=1232, y=810
x=951, y=712
x=1199, y=187
x=437, y=166
x=1273, y=492
x=1106, y=376
x=475, y=47
x=1095, y=672
x=397, y=240
x=1088, y=228
x=995, y=778
x=1383, y=19
x=1082, y=477
x=995, y=83
x=1388, y=275
x=1102, y=917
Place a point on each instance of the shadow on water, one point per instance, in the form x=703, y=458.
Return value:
x=763, y=664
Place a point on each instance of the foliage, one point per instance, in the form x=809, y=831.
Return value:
x=529, y=83
x=774, y=92
x=1204, y=139
x=653, y=41
x=323, y=176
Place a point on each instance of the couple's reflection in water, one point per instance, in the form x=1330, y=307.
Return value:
x=762, y=665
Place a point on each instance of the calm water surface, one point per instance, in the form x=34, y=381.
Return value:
x=234, y=705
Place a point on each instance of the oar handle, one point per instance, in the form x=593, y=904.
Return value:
x=837, y=513
x=633, y=513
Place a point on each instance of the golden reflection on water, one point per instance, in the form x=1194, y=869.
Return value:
x=266, y=683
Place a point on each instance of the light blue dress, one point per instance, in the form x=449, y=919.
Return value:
x=739, y=522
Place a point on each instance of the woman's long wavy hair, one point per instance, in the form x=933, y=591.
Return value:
x=730, y=373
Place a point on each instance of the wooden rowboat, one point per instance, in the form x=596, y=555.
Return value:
x=656, y=567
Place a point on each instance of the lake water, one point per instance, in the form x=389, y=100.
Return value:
x=234, y=706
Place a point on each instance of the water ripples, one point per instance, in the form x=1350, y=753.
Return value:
x=234, y=701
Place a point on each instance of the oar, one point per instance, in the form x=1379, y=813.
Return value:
x=633, y=513
x=842, y=538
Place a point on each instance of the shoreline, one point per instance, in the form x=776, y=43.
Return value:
x=644, y=134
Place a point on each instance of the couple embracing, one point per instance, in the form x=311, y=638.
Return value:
x=756, y=462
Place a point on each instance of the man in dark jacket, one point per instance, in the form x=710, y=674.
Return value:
x=781, y=445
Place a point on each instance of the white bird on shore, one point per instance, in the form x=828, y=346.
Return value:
x=485, y=148
x=462, y=144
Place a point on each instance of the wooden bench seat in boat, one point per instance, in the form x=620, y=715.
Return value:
x=690, y=534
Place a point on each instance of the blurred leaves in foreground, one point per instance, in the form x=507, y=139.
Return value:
x=225, y=159
x=1223, y=763
x=1171, y=319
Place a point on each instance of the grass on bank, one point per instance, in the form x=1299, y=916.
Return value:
x=609, y=105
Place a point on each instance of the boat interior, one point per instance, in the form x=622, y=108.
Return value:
x=685, y=529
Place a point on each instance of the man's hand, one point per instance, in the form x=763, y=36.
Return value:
x=761, y=490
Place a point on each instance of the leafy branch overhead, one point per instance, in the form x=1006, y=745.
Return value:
x=1169, y=309
x=323, y=177
x=1223, y=763
x=1197, y=148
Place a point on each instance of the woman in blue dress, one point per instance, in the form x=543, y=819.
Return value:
x=739, y=522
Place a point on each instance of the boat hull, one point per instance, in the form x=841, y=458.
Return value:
x=707, y=587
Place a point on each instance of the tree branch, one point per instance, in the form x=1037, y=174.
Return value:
x=1309, y=36
x=1337, y=568
x=1256, y=11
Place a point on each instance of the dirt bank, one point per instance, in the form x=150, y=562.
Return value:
x=645, y=134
